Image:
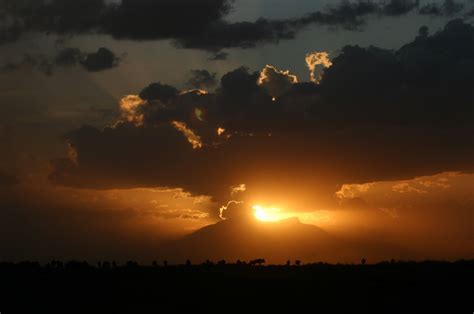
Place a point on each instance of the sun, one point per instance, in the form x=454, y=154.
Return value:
x=266, y=214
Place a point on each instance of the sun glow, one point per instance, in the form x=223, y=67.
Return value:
x=267, y=214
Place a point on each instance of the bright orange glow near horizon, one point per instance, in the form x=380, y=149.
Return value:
x=269, y=214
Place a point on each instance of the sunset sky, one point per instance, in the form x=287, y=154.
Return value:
x=125, y=125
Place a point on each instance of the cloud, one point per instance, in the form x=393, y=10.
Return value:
x=375, y=115
x=447, y=8
x=158, y=91
x=238, y=189
x=399, y=7
x=193, y=139
x=276, y=82
x=130, y=109
x=314, y=59
x=235, y=210
x=470, y=13
x=219, y=56
x=405, y=187
x=101, y=60
x=164, y=19
x=202, y=79
x=68, y=57
x=349, y=191
x=7, y=179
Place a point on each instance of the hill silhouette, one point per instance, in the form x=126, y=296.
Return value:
x=277, y=242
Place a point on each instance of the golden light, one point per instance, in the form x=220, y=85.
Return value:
x=220, y=131
x=199, y=114
x=268, y=214
x=192, y=137
x=313, y=59
x=129, y=109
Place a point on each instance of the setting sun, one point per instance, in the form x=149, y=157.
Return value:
x=267, y=214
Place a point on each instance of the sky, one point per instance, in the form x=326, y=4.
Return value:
x=125, y=125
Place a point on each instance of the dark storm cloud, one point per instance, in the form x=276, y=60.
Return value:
x=447, y=8
x=470, y=13
x=101, y=60
x=202, y=79
x=191, y=24
x=376, y=115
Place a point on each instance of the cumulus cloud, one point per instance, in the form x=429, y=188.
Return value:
x=130, y=109
x=375, y=115
x=165, y=19
x=275, y=81
x=314, y=59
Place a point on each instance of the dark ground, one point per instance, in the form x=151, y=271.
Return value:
x=394, y=287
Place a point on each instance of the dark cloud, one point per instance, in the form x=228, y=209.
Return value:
x=131, y=19
x=158, y=91
x=202, y=79
x=376, y=115
x=10, y=33
x=68, y=57
x=7, y=179
x=275, y=81
x=447, y=8
x=167, y=19
x=101, y=60
x=399, y=7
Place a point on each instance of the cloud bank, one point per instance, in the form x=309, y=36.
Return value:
x=375, y=115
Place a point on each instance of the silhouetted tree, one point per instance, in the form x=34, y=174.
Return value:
x=154, y=264
x=132, y=264
x=165, y=263
x=363, y=261
x=208, y=263
x=288, y=263
x=258, y=261
x=297, y=262
x=106, y=265
x=188, y=262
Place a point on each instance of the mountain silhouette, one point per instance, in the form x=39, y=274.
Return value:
x=248, y=238
x=242, y=237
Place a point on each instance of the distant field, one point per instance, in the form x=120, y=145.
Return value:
x=392, y=287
